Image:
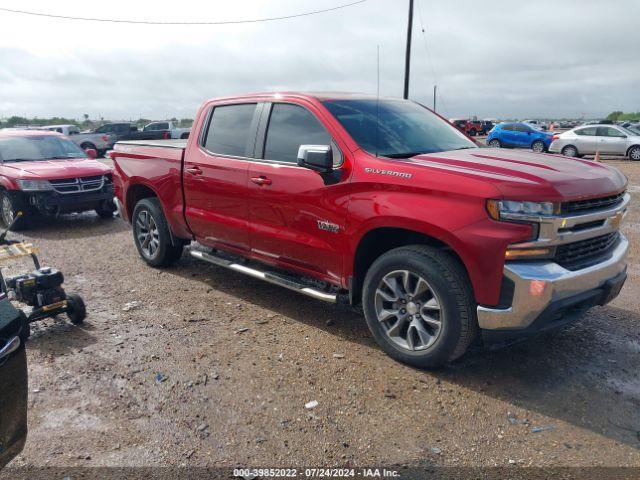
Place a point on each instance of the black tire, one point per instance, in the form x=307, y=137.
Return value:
x=16, y=203
x=473, y=132
x=538, y=146
x=495, y=143
x=449, y=283
x=106, y=209
x=87, y=145
x=166, y=252
x=77, y=311
x=184, y=136
x=570, y=151
x=634, y=153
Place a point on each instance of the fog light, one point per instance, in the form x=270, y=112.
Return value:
x=536, y=288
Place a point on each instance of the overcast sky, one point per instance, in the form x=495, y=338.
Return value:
x=502, y=58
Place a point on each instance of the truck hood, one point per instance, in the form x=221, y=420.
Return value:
x=55, y=169
x=522, y=175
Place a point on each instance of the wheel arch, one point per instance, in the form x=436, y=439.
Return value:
x=135, y=193
x=380, y=240
x=635, y=145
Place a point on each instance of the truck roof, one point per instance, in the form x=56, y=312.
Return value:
x=303, y=95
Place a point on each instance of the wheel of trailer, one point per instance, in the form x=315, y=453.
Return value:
x=152, y=236
x=106, y=209
x=495, y=143
x=419, y=306
x=538, y=146
x=10, y=204
x=570, y=151
x=76, y=309
x=634, y=153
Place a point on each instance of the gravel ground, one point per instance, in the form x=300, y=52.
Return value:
x=212, y=368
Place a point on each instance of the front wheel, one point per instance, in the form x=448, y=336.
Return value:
x=152, y=236
x=76, y=309
x=10, y=204
x=634, y=153
x=495, y=143
x=419, y=306
x=538, y=146
x=106, y=209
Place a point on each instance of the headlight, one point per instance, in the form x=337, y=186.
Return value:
x=34, y=185
x=516, y=210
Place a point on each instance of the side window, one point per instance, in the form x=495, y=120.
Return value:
x=588, y=132
x=289, y=127
x=162, y=126
x=609, y=132
x=230, y=129
x=509, y=127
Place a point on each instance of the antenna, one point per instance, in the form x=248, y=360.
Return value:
x=378, y=102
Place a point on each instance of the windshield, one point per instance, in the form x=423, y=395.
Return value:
x=396, y=128
x=19, y=149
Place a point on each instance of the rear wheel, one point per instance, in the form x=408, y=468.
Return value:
x=152, y=236
x=495, y=143
x=634, y=153
x=419, y=306
x=569, y=151
x=10, y=204
x=538, y=146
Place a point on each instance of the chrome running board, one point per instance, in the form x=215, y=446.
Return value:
x=271, y=277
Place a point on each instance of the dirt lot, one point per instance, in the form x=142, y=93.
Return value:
x=211, y=368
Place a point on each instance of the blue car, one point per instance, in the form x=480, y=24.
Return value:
x=519, y=135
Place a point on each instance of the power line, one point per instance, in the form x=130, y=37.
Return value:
x=149, y=22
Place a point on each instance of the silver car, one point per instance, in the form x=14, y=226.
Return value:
x=589, y=139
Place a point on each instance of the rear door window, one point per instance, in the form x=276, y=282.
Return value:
x=587, y=132
x=289, y=127
x=229, y=131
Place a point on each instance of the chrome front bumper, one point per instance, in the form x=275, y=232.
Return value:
x=540, y=284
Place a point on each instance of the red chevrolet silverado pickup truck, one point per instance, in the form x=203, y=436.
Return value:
x=45, y=173
x=384, y=204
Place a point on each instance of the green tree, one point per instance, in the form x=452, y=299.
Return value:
x=615, y=116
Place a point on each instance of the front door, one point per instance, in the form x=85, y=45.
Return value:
x=215, y=177
x=297, y=215
x=611, y=141
x=13, y=383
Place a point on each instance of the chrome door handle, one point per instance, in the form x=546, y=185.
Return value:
x=194, y=171
x=11, y=346
x=261, y=180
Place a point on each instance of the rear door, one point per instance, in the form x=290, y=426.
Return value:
x=586, y=140
x=297, y=215
x=611, y=141
x=215, y=176
x=13, y=384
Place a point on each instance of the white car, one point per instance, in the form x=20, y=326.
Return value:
x=98, y=142
x=589, y=139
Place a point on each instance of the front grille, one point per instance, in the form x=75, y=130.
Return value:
x=579, y=207
x=75, y=185
x=583, y=254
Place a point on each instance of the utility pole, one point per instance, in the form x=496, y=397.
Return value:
x=435, y=89
x=407, y=59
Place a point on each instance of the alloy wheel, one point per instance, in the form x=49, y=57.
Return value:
x=147, y=234
x=634, y=154
x=409, y=310
x=538, y=147
x=7, y=210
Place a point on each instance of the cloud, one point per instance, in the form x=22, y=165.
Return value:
x=502, y=59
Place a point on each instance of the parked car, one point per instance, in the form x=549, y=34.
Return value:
x=469, y=127
x=519, y=135
x=606, y=139
x=128, y=131
x=174, y=132
x=381, y=203
x=46, y=173
x=13, y=382
x=100, y=142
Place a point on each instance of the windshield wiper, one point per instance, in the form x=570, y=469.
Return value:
x=402, y=155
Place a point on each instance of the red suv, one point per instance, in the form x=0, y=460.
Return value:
x=45, y=173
